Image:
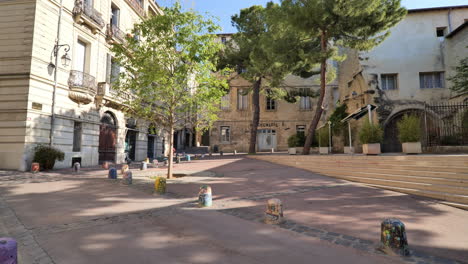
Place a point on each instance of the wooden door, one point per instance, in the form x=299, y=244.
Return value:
x=107, y=142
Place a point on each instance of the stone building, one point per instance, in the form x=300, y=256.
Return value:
x=408, y=71
x=55, y=75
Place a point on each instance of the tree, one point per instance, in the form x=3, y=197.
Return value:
x=265, y=50
x=460, y=79
x=357, y=24
x=169, y=70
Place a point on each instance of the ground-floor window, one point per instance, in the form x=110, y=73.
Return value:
x=225, y=134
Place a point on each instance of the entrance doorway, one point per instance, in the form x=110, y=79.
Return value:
x=266, y=139
x=391, y=143
x=107, y=138
x=130, y=144
x=150, y=151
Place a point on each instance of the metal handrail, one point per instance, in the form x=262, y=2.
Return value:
x=113, y=31
x=85, y=8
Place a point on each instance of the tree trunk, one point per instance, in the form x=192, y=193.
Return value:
x=171, y=153
x=318, y=109
x=256, y=116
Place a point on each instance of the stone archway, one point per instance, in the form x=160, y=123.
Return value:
x=391, y=143
x=107, y=138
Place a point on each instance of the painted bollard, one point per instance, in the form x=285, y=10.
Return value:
x=105, y=165
x=76, y=167
x=221, y=153
x=393, y=238
x=178, y=159
x=155, y=163
x=144, y=166
x=127, y=178
x=124, y=169
x=274, y=212
x=8, y=251
x=35, y=167
x=112, y=173
x=160, y=185
x=188, y=158
x=205, y=198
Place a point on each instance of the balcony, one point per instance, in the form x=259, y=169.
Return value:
x=111, y=98
x=82, y=87
x=84, y=13
x=114, y=34
x=137, y=5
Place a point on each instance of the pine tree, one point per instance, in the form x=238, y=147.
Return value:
x=357, y=24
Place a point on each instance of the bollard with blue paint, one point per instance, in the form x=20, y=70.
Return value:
x=127, y=178
x=112, y=173
x=160, y=185
x=188, y=158
x=144, y=166
x=8, y=251
x=274, y=212
x=205, y=198
x=393, y=238
x=76, y=167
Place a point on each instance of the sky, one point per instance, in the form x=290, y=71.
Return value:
x=224, y=9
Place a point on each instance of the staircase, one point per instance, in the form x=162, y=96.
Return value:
x=443, y=177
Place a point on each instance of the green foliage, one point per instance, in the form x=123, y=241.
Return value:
x=46, y=156
x=339, y=114
x=460, y=79
x=296, y=140
x=323, y=136
x=409, y=129
x=370, y=133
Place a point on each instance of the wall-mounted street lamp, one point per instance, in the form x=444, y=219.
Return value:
x=65, y=59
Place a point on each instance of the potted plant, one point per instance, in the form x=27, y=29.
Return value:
x=292, y=143
x=323, y=138
x=370, y=136
x=409, y=133
x=46, y=156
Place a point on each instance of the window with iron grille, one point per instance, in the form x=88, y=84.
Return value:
x=389, y=81
x=431, y=80
x=242, y=99
x=270, y=102
x=225, y=134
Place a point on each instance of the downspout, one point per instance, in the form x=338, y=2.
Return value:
x=449, y=17
x=52, y=119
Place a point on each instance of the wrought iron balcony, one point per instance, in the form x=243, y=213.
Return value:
x=138, y=6
x=82, y=87
x=114, y=34
x=111, y=98
x=84, y=13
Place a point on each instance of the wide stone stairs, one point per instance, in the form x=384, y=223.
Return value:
x=443, y=177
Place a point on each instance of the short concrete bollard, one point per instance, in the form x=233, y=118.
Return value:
x=147, y=160
x=393, y=238
x=221, y=153
x=235, y=152
x=112, y=173
x=210, y=154
x=35, y=167
x=8, y=251
x=124, y=169
x=177, y=159
x=272, y=150
x=274, y=212
x=188, y=158
x=76, y=167
x=127, y=178
x=105, y=165
x=205, y=198
x=165, y=163
x=144, y=166
x=160, y=185
x=155, y=163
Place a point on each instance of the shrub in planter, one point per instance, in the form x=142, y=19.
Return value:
x=370, y=136
x=46, y=156
x=409, y=133
x=323, y=138
x=296, y=142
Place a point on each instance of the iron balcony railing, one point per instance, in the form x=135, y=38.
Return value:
x=114, y=32
x=82, y=82
x=86, y=8
x=138, y=6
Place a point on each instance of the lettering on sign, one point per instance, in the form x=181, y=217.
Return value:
x=36, y=106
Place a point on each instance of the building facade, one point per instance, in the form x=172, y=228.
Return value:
x=56, y=71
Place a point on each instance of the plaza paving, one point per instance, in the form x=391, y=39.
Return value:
x=62, y=217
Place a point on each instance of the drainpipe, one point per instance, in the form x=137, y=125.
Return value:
x=449, y=17
x=52, y=119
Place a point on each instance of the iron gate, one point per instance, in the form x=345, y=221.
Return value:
x=450, y=128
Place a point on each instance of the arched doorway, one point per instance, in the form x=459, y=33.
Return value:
x=391, y=143
x=107, y=138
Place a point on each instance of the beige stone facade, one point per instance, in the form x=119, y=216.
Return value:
x=84, y=100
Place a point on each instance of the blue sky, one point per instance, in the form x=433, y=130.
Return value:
x=224, y=9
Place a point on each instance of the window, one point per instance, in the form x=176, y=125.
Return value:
x=242, y=99
x=431, y=80
x=389, y=81
x=300, y=129
x=223, y=40
x=225, y=102
x=77, y=131
x=115, y=16
x=270, y=102
x=304, y=103
x=115, y=71
x=225, y=134
x=440, y=31
x=80, y=56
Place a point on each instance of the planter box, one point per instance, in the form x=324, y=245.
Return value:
x=412, y=147
x=348, y=150
x=371, y=149
x=292, y=151
x=323, y=150
x=299, y=150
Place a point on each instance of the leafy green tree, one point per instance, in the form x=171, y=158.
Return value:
x=265, y=50
x=357, y=24
x=460, y=79
x=169, y=70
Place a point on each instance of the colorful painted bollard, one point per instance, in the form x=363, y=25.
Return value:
x=205, y=198
x=160, y=185
x=112, y=173
x=188, y=158
x=8, y=251
x=393, y=238
x=124, y=169
x=76, y=167
x=127, y=178
x=155, y=163
x=144, y=166
x=35, y=167
x=105, y=165
x=274, y=212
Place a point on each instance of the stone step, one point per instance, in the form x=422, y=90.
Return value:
x=441, y=161
x=401, y=158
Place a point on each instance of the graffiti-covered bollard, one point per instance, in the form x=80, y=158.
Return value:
x=177, y=159
x=105, y=165
x=35, y=167
x=155, y=163
x=205, y=198
x=144, y=166
x=76, y=167
x=124, y=169
x=393, y=237
x=8, y=251
x=274, y=212
x=112, y=173
x=127, y=178
x=147, y=160
x=160, y=185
